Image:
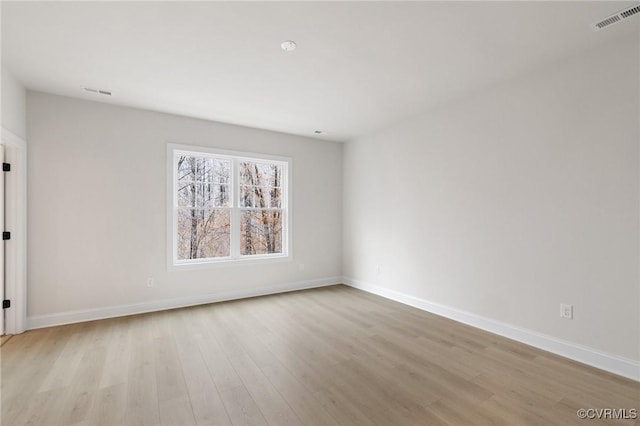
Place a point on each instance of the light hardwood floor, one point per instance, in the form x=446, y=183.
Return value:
x=333, y=355
x=4, y=339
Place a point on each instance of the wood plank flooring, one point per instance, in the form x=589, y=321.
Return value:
x=4, y=339
x=326, y=356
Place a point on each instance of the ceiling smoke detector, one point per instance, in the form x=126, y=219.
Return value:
x=616, y=18
x=288, y=45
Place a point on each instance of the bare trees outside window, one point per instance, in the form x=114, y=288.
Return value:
x=261, y=217
x=203, y=207
x=227, y=207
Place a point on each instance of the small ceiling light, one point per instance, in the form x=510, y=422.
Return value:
x=317, y=132
x=288, y=46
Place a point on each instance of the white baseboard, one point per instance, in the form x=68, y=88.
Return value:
x=70, y=317
x=586, y=355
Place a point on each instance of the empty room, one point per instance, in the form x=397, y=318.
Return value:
x=320, y=213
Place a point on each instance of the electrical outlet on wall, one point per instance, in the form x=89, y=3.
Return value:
x=150, y=282
x=566, y=311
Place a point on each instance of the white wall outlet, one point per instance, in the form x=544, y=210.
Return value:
x=566, y=311
x=301, y=267
x=150, y=282
x=378, y=269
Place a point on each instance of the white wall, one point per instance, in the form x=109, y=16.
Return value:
x=508, y=203
x=97, y=212
x=14, y=110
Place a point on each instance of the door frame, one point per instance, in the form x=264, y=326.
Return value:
x=2, y=277
x=15, y=222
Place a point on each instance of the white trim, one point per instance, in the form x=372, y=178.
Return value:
x=70, y=317
x=12, y=139
x=2, y=257
x=605, y=361
x=16, y=223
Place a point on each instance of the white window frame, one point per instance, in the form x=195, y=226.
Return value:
x=235, y=258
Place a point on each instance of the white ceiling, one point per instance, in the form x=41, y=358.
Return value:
x=359, y=66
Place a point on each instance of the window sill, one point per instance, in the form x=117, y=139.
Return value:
x=245, y=261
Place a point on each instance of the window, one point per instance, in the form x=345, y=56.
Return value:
x=226, y=206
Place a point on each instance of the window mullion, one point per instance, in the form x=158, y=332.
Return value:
x=235, y=210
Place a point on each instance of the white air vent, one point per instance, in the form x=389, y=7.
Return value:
x=97, y=91
x=616, y=17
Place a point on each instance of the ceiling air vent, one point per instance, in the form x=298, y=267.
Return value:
x=98, y=91
x=616, y=17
